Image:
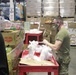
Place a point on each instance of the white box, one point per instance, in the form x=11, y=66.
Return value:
x=67, y=5
x=50, y=1
x=50, y=4
x=67, y=1
x=67, y=12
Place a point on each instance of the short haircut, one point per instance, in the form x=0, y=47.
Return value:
x=59, y=19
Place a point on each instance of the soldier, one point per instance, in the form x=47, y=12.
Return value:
x=61, y=46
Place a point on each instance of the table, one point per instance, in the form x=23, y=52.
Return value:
x=33, y=36
x=26, y=68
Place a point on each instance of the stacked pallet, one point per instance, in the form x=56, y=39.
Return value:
x=33, y=10
x=67, y=8
x=33, y=18
x=72, y=32
x=50, y=8
x=33, y=7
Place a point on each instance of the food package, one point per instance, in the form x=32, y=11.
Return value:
x=31, y=47
x=34, y=47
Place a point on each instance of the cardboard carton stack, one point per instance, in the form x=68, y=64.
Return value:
x=67, y=8
x=72, y=32
x=33, y=7
x=13, y=35
x=50, y=8
x=33, y=10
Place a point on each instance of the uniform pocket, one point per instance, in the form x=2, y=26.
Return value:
x=66, y=59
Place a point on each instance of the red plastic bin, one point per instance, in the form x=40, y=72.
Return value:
x=26, y=68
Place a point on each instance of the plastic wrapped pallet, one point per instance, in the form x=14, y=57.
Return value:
x=67, y=5
x=33, y=8
x=50, y=8
x=67, y=8
x=67, y=1
x=50, y=1
x=50, y=11
x=67, y=12
x=50, y=4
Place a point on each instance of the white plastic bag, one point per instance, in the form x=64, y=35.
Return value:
x=46, y=53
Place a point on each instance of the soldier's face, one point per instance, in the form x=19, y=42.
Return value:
x=54, y=21
x=56, y=24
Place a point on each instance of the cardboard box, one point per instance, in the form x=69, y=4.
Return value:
x=12, y=37
x=13, y=57
x=72, y=25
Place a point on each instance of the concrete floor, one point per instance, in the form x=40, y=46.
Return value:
x=72, y=66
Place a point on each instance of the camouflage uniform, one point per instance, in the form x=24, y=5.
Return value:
x=63, y=56
x=63, y=61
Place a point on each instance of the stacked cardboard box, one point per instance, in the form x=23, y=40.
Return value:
x=33, y=7
x=72, y=32
x=13, y=57
x=13, y=37
x=50, y=8
x=67, y=8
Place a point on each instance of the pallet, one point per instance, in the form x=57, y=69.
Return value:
x=68, y=18
x=33, y=18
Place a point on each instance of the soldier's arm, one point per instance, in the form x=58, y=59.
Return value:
x=54, y=46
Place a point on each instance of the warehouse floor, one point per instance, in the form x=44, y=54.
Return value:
x=72, y=65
